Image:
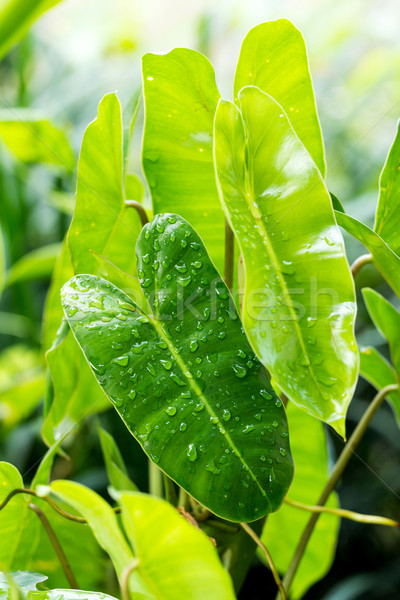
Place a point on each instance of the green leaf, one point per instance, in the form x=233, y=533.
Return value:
x=283, y=529
x=180, y=100
x=387, y=219
x=27, y=582
x=32, y=138
x=77, y=394
x=299, y=306
x=16, y=16
x=387, y=319
x=37, y=264
x=116, y=469
x=380, y=373
x=274, y=58
x=214, y=423
x=183, y=562
x=2, y=263
x=17, y=522
x=112, y=228
x=385, y=260
x=134, y=189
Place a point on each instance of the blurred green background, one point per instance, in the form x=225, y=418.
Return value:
x=71, y=57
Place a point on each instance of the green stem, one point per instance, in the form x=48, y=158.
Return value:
x=344, y=514
x=170, y=492
x=359, y=263
x=340, y=465
x=267, y=555
x=53, y=505
x=155, y=480
x=184, y=500
x=126, y=573
x=139, y=209
x=229, y=255
x=66, y=567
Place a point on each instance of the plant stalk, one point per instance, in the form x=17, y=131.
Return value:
x=340, y=465
x=126, y=573
x=267, y=555
x=66, y=567
x=229, y=255
x=139, y=209
x=359, y=263
x=345, y=514
x=155, y=480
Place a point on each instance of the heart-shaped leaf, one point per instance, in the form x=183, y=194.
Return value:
x=183, y=376
x=299, y=306
x=274, y=58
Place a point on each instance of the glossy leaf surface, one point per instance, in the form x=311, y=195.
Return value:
x=180, y=101
x=387, y=319
x=183, y=376
x=32, y=138
x=379, y=372
x=183, y=563
x=274, y=58
x=299, y=306
x=387, y=220
x=385, y=260
x=283, y=529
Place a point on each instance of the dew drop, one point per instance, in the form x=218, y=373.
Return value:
x=226, y=415
x=239, y=371
x=192, y=452
x=121, y=360
x=171, y=411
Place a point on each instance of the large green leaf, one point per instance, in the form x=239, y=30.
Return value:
x=180, y=101
x=17, y=522
x=183, y=376
x=387, y=319
x=101, y=222
x=16, y=16
x=37, y=264
x=183, y=563
x=27, y=582
x=387, y=220
x=32, y=138
x=274, y=58
x=385, y=260
x=299, y=305
x=283, y=529
x=380, y=373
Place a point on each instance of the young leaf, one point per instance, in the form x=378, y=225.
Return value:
x=380, y=373
x=100, y=196
x=283, y=529
x=274, y=58
x=387, y=319
x=387, y=219
x=183, y=563
x=27, y=582
x=385, y=260
x=180, y=100
x=299, y=306
x=116, y=469
x=32, y=138
x=183, y=376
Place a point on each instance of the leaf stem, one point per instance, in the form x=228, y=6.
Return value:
x=139, y=209
x=66, y=567
x=229, y=255
x=170, y=492
x=340, y=465
x=359, y=263
x=155, y=480
x=267, y=555
x=345, y=514
x=126, y=573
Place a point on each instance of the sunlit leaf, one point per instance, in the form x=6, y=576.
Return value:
x=380, y=373
x=16, y=16
x=183, y=563
x=387, y=220
x=116, y=469
x=274, y=58
x=32, y=138
x=385, y=260
x=183, y=376
x=283, y=529
x=299, y=306
x=180, y=101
